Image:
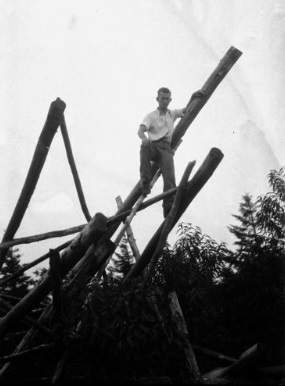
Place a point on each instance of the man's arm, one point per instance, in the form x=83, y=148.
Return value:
x=141, y=134
x=196, y=94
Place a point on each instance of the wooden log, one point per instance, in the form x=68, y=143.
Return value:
x=76, y=290
x=25, y=340
x=59, y=368
x=73, y=167
x=70, y=256
x=10, y=297
x=56, y=287
x=248, y=359
x=24, y=353
x=194, y=186
x=125, y=226
x=178, y=318
x=122, y=216
x=42, y=236
x=78, y=228
x=168, y=225
x=51, y=125
x=83, y=273
x=222, y=69
x=27, y=266
x=27, y=319
x=134, y=211
x=213, y=354
x=130, y=234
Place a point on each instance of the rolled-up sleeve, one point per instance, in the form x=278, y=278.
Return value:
x=178, y=113
x=146, y=121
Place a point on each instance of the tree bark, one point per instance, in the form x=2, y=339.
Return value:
x=51, y=125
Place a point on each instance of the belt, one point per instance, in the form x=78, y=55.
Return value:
x=164, y=139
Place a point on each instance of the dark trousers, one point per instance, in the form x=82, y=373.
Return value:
x=161, y=153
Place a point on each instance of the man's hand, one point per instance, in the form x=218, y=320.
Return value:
x=145, y=142
x=198, y=94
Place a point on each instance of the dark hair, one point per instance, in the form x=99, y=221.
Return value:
x=164, y=90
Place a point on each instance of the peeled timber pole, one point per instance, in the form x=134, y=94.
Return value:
x=72, y=164
x=130, y=234
x=178, y=318
x=224, y=66
x=52, y=123
x=193, y=187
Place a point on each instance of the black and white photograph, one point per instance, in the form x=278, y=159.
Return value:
x=142, y=204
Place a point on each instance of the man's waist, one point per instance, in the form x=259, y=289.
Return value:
x=163, y=139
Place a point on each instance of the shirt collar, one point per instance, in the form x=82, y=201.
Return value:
x=159, y=114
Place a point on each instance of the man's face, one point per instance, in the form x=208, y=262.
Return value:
x=163, y=100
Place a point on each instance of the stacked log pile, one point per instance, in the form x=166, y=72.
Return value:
x=56, y=337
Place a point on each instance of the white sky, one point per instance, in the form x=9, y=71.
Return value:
x=106, y=59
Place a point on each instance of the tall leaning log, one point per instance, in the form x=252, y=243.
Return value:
x=69, y=257
x=224, y=66
x=51, y=125
x=73, y=168
x=193, y=187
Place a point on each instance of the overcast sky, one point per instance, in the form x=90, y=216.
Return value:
x=106, y=59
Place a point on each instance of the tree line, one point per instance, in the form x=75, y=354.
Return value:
x=231, y=298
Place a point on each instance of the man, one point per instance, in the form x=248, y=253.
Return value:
x=159, y=127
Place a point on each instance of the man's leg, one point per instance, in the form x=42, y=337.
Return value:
x=146, y=155
x=166, y=164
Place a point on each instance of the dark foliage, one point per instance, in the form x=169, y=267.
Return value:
x=231, y=299
x=130, y=332
x=255, y=278
x=20, y=286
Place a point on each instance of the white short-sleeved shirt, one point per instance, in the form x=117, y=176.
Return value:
x=161, y=126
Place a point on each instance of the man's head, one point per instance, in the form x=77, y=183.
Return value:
x=163, y=98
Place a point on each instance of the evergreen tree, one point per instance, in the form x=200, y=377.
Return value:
x=19, y=286
x=257, y=281
x=271, y=215
x=246, y=232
